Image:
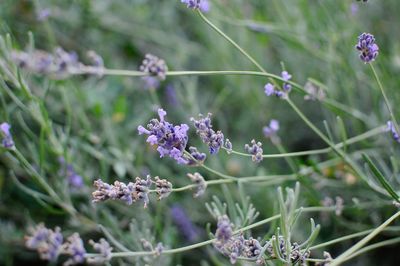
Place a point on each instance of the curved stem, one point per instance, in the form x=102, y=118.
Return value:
x=385, y=98
x=363, y=241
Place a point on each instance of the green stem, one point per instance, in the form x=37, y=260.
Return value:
x=396, y=125
x=374, y=246
x=363, y=241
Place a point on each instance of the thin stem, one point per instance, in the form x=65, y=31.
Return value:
x=374, y=246
x=343, y=238
x=365, y=135
x=231, y=41
x=385, y=98
x=363, y=241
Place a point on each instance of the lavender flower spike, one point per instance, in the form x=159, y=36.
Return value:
x=47, y=242
x=171, y=140
x=200, y=183
x=154, y=66
x=368, y=48
x=74, y=247
x=255, y=150
x=104, y=248
x=214, y=140
x=7, y=141
x=185, y=226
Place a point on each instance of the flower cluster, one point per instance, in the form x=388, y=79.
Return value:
x=154, y=66
x=189, y=231
x=368, y=48
x=198, y=157
x=59, y=65
x=171, y=140
x=270, y=89
x=200, y=183
x=214, y=140
x=7, y=141
x=131, y=192
x=235, y=246
x=202, y=5
x=49, y=244
x=255, y=150
x=391, y=127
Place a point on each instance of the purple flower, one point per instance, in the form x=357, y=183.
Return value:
x=171, y=140
x=214, y=140
x=67, y=170
x=43, y=14
x=255, y=150
x=47, y=242
x=185, y=226
x=390, y=127
x=269, y=89
x=154, y=66
x=228, y=146
x=199, y=157
x=171, y=96
x=7, y=141
x=224, y=229
x=75, y=249
x=163, y=188
x=150, y=83
x=367, y=47
x=286, y=77
x=272, y=129
x=193, y=4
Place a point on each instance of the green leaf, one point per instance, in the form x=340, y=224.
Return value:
x=381, y=178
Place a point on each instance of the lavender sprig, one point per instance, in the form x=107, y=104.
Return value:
x=214, y=140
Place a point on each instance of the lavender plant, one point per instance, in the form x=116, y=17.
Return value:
x=68, y=120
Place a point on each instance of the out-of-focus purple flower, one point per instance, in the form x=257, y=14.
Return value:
x=199, y=157
x=171, y=96
x=97, y=63
x=314, y=92
x=205, y=6
x=150, y=83
x=271, y=130
x=255, y=150
x=390, y=127
x=214, y=140
x=67, y=170
x=193, y=4
x=155, y=66
x=228, y=146
x=185, y=226
x=269, y=89
x=224, y=229
x=43, y=14
x=171, y=140
x=46, y=242
x=7, y=141
x=354, y=9
x=102, y=247
x=75, y=249
x=368, y=48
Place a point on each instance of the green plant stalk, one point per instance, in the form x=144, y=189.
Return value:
x=374, y=246
x=396, y=125
x=363, y=241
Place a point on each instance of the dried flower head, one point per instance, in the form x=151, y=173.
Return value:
x=155, y=66
x=214, y=140
x=75, y=249
x=255, y=150
x=102, y=247
x=47, y=242
x=314, y=92
x=368, y=48
x=171, y=140
x=228, y=146
x=7, y=141
x=163, y=188
x=201, y=184
x=129, y=193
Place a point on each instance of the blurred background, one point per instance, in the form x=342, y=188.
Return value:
x=91, y=122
